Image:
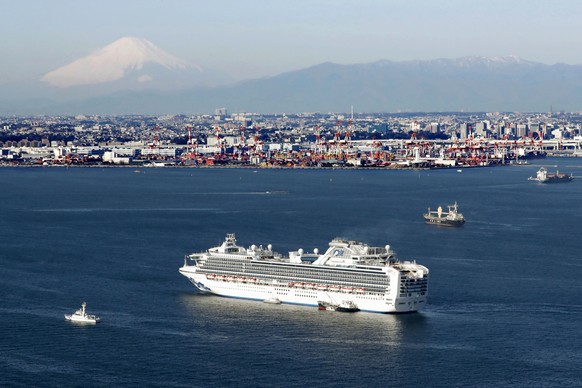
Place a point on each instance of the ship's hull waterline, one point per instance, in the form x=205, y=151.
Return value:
x=305, y=297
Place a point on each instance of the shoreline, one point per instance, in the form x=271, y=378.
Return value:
x=395, y=167
x=138, y=168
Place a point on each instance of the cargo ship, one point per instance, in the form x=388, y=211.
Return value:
x=440, y=217
x=543, y=176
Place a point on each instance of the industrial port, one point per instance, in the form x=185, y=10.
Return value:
x=395, y=141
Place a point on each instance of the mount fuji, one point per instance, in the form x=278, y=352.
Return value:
x=129, y=63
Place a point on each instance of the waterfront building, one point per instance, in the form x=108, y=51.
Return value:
x=170, y=152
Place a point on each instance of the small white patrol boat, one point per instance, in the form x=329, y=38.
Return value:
x=81, y=316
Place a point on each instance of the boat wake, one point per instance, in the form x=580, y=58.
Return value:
x=34, y=364
x=497, y=225
x=279, y=192
x=126, y=210
x=395, y=344
x=488, y=308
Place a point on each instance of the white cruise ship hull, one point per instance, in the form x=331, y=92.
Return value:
x=309, y=296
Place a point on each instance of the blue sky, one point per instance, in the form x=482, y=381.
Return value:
x=254, y=38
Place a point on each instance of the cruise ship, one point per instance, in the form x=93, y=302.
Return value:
x=370, y=278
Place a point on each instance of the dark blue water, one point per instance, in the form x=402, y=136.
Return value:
x=505, y=305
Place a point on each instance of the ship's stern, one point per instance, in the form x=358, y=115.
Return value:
x=412, y=292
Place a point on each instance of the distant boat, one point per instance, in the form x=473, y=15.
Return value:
x=272, y=300
x=543, y=176
x=440, y=217
x=81, y=316
x=346, y=306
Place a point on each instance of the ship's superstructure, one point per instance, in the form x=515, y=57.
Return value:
x=348, y=272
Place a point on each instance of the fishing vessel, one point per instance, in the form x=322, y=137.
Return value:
x=543, y=176
x=371, y=278
x=81, y=316
x=440, y=217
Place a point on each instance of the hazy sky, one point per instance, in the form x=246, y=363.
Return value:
x=254, y=38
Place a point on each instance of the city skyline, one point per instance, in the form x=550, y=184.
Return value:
x=256, y=38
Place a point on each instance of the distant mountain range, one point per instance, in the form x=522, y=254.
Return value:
x=132, y=76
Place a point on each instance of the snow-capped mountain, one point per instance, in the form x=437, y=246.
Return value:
x=462, y=63
x=467, y=83
x=128, y=61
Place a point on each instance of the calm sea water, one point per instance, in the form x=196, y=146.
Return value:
x=505, y=305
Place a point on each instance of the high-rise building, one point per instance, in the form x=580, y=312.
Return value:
x=220, y=114
x=434, y=127
x=481, y=129
x=463, y=131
